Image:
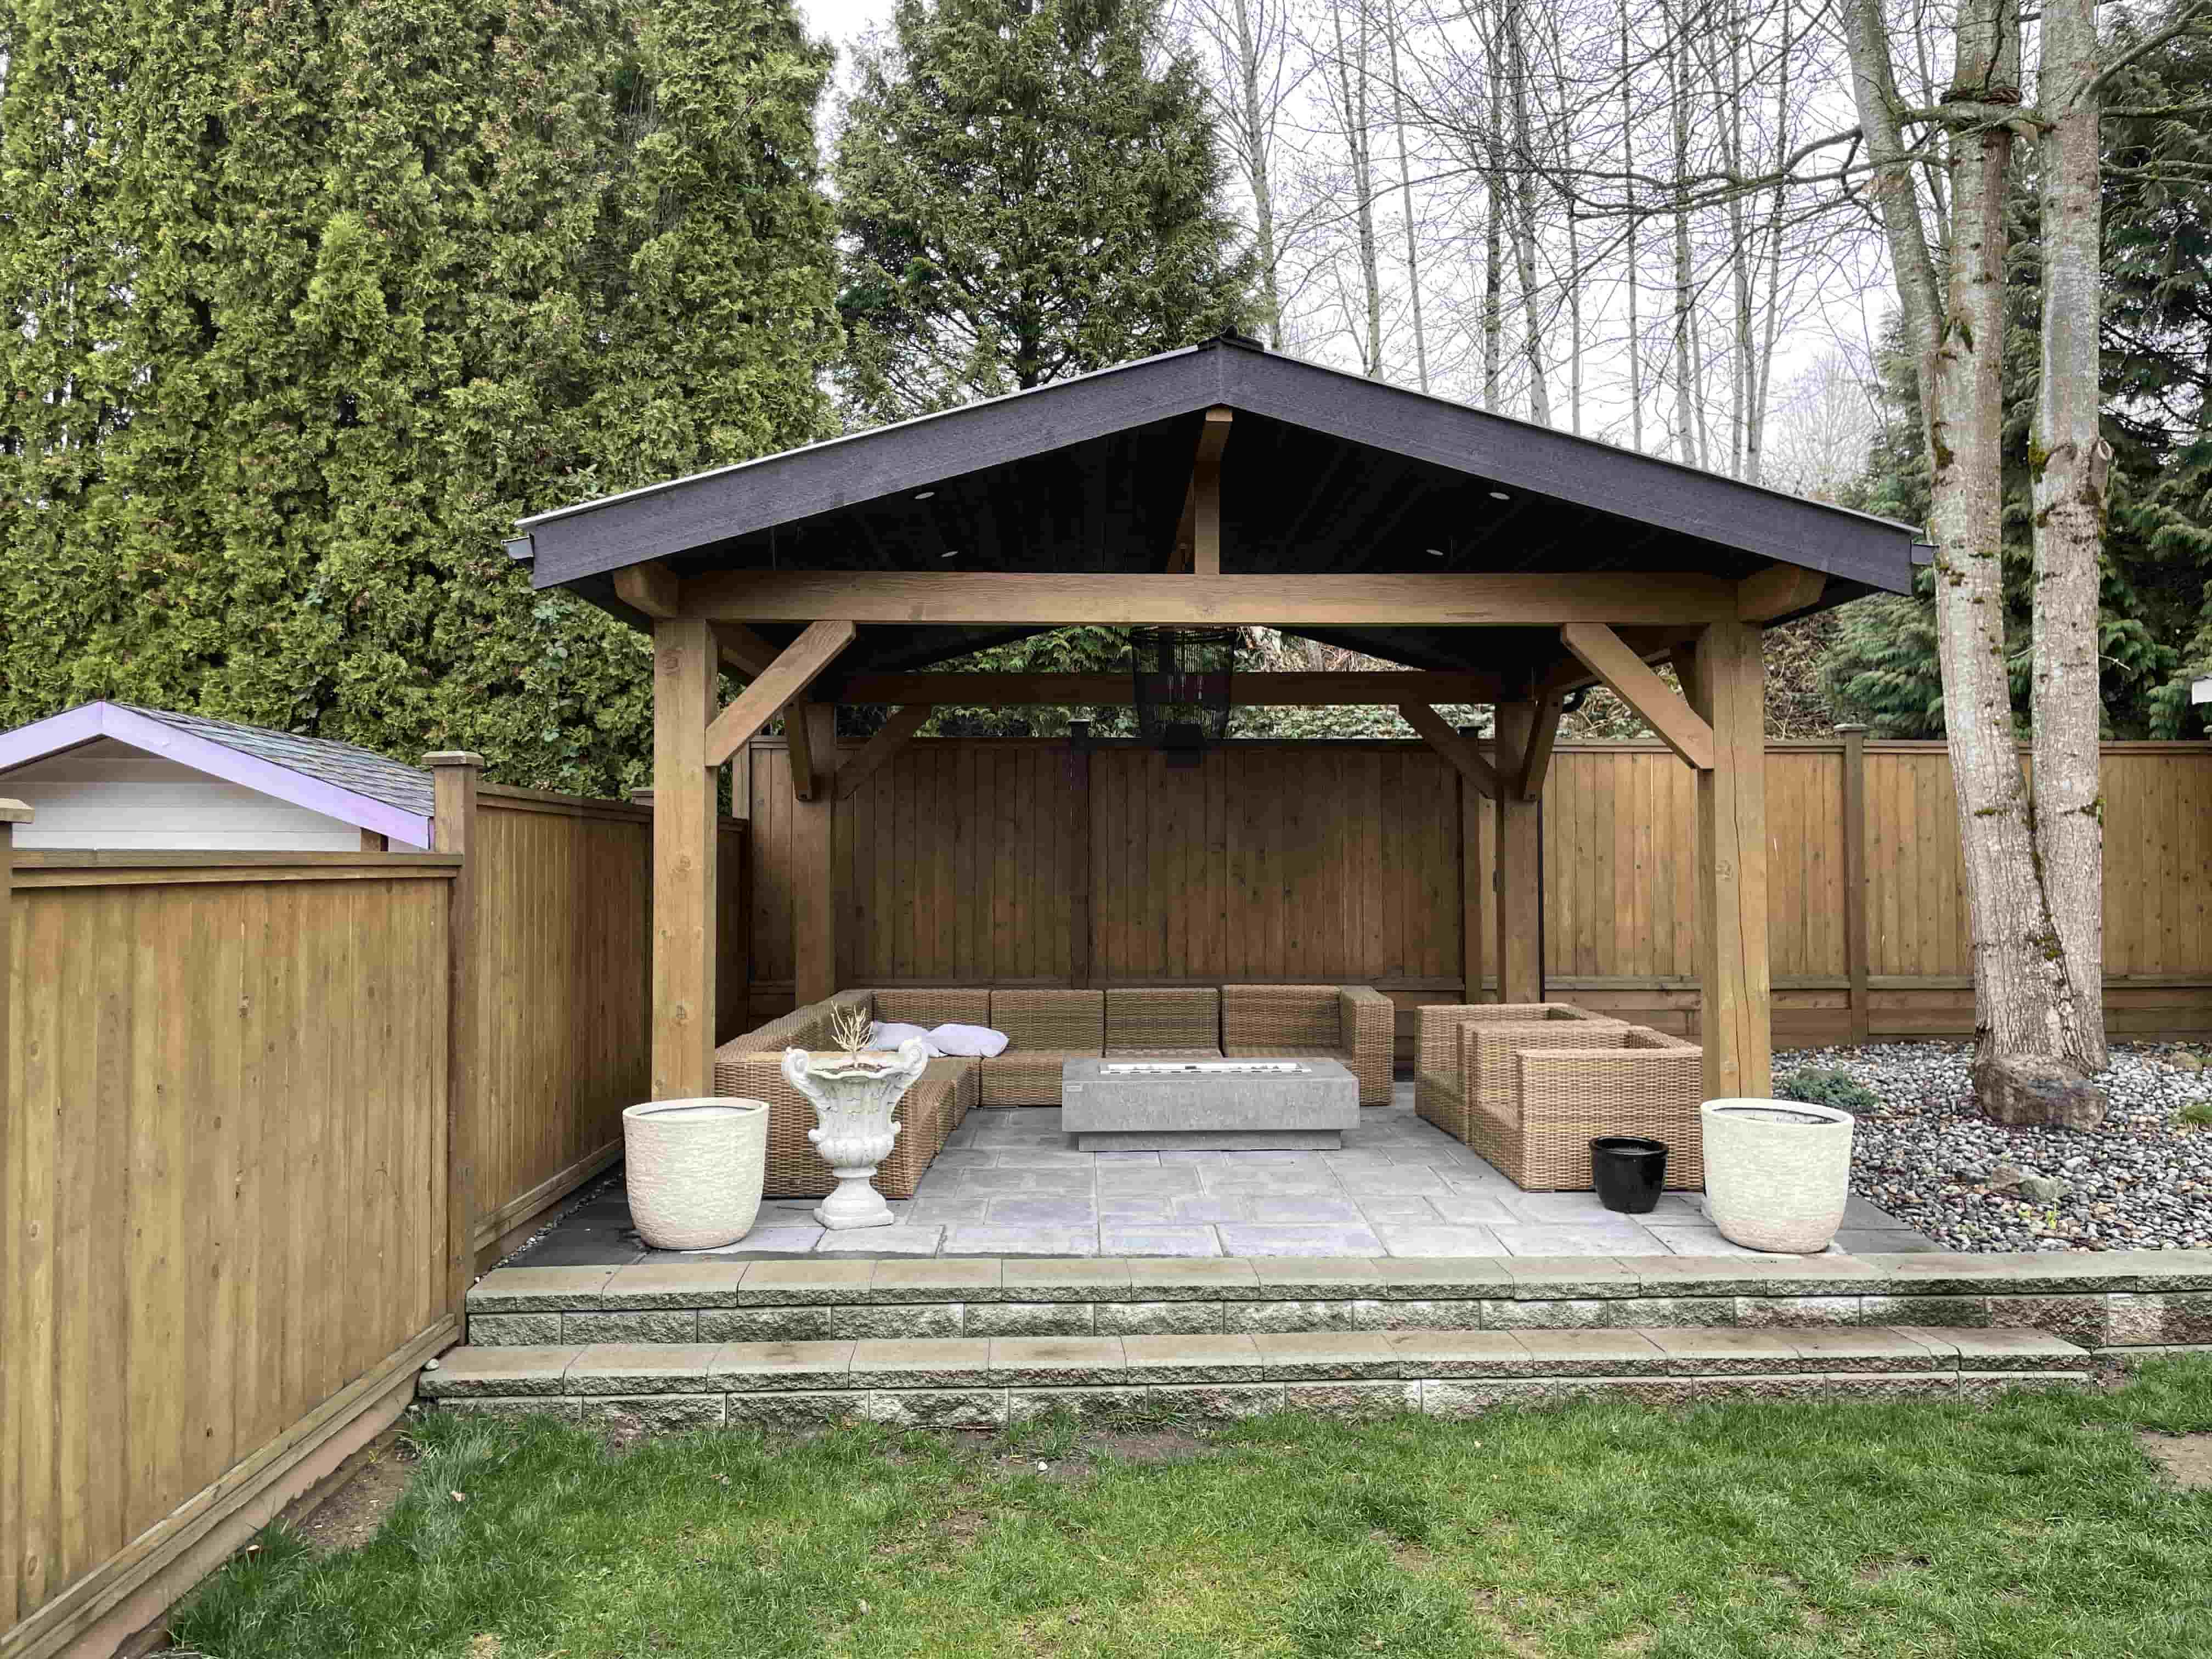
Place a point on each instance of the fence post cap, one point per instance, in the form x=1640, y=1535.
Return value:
x=1852, y=726
x=14, y=811
x=453, y=757
x=641, y=797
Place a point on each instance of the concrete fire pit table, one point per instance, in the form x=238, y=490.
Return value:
x=1206, y=1105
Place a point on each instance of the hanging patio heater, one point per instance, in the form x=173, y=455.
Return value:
x=1183, y=683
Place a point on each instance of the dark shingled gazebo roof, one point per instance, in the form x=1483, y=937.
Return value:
x=1325, y=472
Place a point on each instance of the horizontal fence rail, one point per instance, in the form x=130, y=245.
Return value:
x=1031, y=861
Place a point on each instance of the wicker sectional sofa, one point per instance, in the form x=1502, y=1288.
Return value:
x=1351, y=1024
x=1528, y=1084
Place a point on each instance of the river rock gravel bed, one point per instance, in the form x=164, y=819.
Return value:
x=2143, y=1180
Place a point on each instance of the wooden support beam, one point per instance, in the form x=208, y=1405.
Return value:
x=1777, y=591
x=1496, y=599
x=684, y=861
x=1735, y=1019
x=652, y=587
x=1603, y=651
x=815, y=901
x=894, y=735
x=1855, y=963
x=1198, y=534
x=743, y=649
x=454, y=777
x=1542, y=738
x=1076, y=763
x=1472, y=814
x=805, y=767
x=1520, y=864
x=1261, y=690
x=1452, y=746
x=791, y=673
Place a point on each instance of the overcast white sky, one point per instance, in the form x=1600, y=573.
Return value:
x=843, y=19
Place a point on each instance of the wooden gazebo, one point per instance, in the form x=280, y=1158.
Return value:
x=1502, y=563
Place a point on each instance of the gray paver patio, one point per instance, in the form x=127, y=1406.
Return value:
x=1007, y=1185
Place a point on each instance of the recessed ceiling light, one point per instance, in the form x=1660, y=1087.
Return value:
x=1434, y=552
x=923, y=495
x=1499, y=496
x=954, y=554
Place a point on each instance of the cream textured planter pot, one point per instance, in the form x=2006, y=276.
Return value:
x=854, y=1097
x=693, y=1168
x=1778, y=1172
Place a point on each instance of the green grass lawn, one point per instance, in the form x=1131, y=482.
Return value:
x=2036, y=1527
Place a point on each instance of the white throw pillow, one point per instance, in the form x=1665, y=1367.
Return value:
x=979, y=1041
x=889, y=1035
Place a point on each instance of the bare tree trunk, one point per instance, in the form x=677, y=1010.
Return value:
x=1352, y=83
x=1524, y=237
x=1743, y=373
x=1257, y=123
x=1493, y=260
x=2024, y=1004
x=1574, y=325
x=1635, y=220
x=1405, y=204
x=1685, y=391
x=2070, y=462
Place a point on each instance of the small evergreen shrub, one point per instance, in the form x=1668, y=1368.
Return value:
x=1827, y=1086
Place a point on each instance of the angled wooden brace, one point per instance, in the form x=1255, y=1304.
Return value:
x=1453, y=747
x=1607, y=655
x=795, y=668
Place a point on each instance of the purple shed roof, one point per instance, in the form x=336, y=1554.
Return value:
x=340, y=779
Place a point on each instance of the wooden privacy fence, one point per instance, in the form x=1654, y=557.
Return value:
x=264, y=1114
x=1031, y=861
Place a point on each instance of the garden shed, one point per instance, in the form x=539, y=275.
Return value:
x=114, y=777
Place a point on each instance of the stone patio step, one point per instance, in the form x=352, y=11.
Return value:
x=2099, y=1300
x=979, y=1382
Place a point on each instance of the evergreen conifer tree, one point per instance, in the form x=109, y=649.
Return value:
x=307, y=302
x=1030, y=189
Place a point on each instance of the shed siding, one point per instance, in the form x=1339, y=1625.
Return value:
x=107, y=794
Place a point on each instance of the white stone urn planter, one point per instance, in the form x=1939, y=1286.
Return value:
x=1778, y=1172
x=853, y=1096
x=693, y=1168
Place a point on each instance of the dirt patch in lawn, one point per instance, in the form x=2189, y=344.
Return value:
x=1146, y=1445
x=370, y=1485
x=2186, y=1458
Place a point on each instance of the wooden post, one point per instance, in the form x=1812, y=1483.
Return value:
x=1077, y=762
x=814, y=859
x=12, y=812
x=684, y=672
x=454, y=775
x=1854, y=879
x=1520, y=879
x=1728, y=687
x=1471, y=807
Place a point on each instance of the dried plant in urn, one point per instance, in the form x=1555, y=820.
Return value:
x=855, y=1093
x=849, y=1027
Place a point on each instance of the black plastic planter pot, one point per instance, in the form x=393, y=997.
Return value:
x=1630, y=1173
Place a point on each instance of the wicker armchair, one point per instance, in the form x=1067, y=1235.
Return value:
x=749, y=1066
x=1180, y=1022
x=1440, y=1091
x=1043, y=1029
x=1549, y=1102
x=1354, y=1024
